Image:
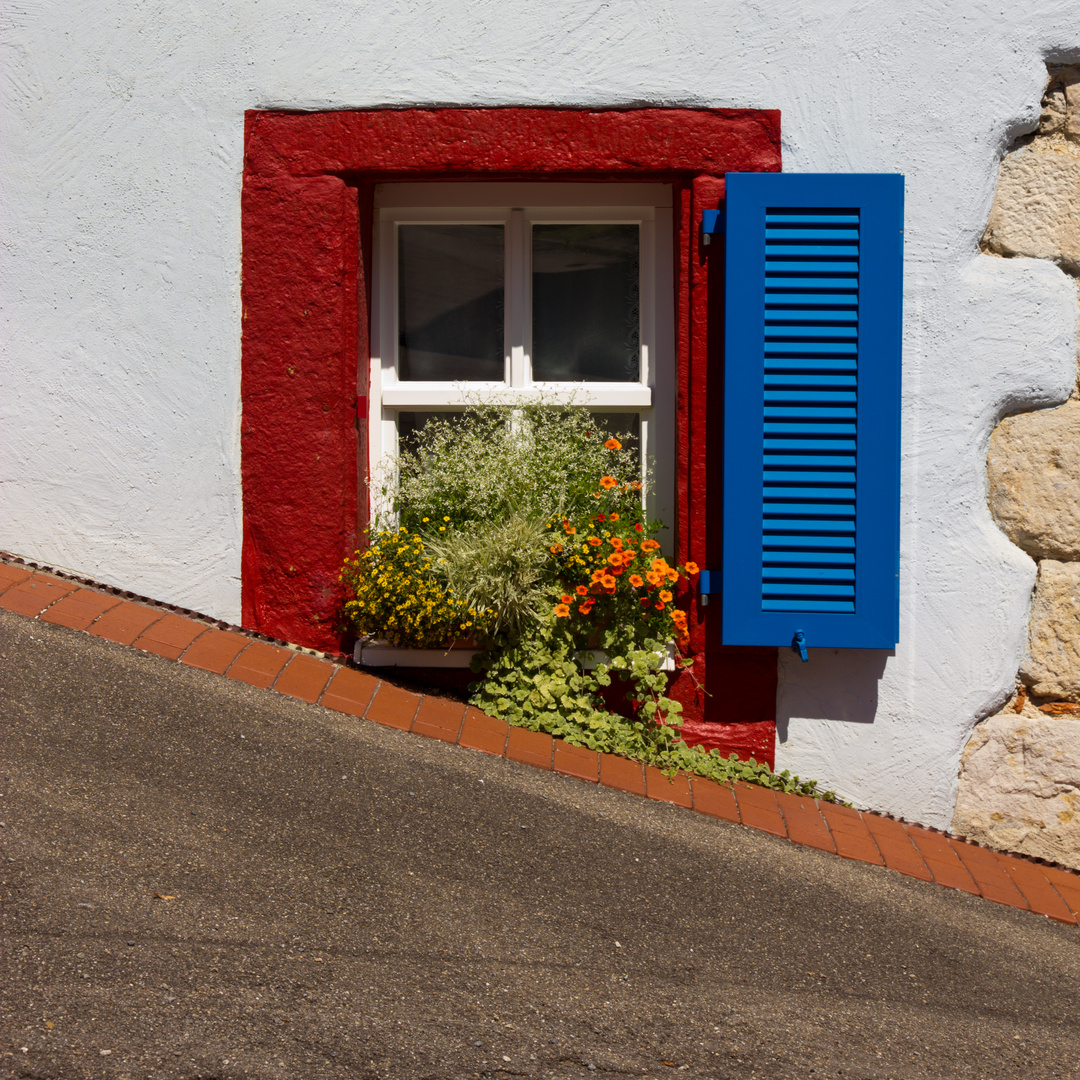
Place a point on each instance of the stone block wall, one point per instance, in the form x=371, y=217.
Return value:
x=1020, y=772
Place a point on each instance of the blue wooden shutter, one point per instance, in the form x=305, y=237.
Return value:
x=812, y=409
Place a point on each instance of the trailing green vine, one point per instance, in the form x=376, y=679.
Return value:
x=538, y=683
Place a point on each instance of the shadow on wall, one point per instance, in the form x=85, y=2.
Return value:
x=839, y=685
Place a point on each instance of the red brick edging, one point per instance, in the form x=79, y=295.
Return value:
x=912, y=850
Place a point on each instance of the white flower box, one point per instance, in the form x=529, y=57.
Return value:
x=374, y=653
x=383, y=654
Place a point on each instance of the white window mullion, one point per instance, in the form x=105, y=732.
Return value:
x=517, y=296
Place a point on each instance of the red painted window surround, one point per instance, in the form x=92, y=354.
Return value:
x=307, y=222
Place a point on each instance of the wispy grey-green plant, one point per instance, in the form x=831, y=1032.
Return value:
x=529, y=458
x=497, y=566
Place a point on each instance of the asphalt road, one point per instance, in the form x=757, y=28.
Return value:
x=201, y=879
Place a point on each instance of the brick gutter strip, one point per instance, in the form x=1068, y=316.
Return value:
x=913, y=850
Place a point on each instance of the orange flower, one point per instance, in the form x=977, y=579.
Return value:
x=609, y=583
x=692, y=568
x=665, y=596
x=653, y=578
x=657, y=605
x=569, y=530
x=616, y=543
x=595, y=541
x=608, y=482
x=555, y=549
x=615, y=558
x=561, y=610
x=672, y=575
x=678, y=617
x=564, y=599
x=586, y=607
x=598, y=574
x=628, y=557
x=649, y=545
x=684, y=642
x=612, y=444
x=636, y=581
x=614, y=517
x=582, y=591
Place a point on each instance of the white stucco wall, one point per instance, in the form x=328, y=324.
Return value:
x=121, y=166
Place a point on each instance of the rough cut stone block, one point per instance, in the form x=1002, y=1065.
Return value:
x=1036, y=209
x=1052, y=667
x=1061, y=104
x=1020, y=786
x=1033, y=470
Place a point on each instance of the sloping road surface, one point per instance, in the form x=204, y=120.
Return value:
x=204, y=880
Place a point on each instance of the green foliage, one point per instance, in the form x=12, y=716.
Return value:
x=521, y=526
x=395, y=595
x=501, y=566
x=529, y=459
x=538, y=684
x=619, y=589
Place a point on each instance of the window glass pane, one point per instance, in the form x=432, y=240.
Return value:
x=450, y=302
x=410, y=423
x=585, y=311
x=624, y=426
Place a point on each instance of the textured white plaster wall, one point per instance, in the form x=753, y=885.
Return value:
x=121, y=166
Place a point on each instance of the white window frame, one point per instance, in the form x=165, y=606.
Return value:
x=517, y=206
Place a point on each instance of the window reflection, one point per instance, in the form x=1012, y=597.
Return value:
x=585, y=304
x=626, y=427
x=411, y=422
x=450, y=303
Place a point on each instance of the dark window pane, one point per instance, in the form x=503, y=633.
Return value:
x=411, y=423
x=626, y=427
x=450, y=302
x=585, y=303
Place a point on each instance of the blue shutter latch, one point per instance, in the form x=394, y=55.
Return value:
x=704, y=587
x=713, y=222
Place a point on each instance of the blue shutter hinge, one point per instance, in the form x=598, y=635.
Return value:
x=704, y=587
x=798, y=644
x=713, y=222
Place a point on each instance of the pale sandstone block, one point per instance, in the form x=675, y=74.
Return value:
x=1020, y=786
x=1052, y=666
x=1061, y=104
x=1036, y=210
x=1033, y=471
